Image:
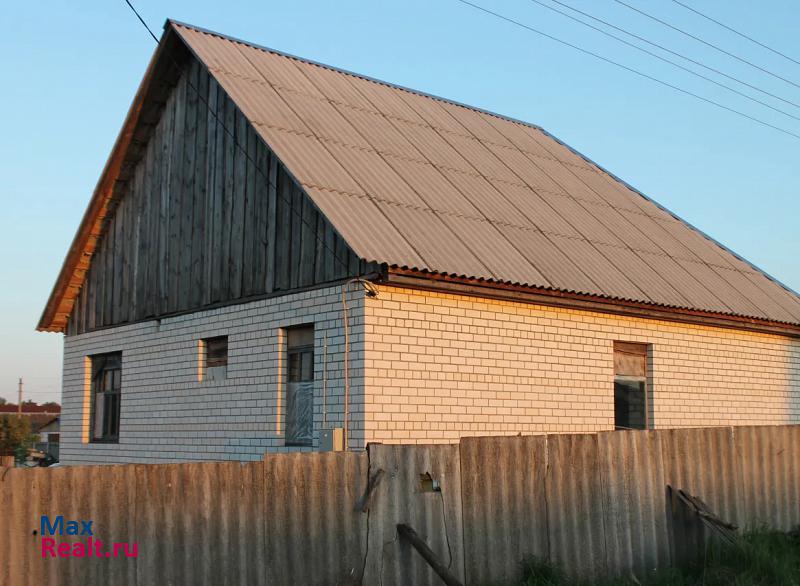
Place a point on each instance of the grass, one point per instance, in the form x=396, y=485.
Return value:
x=762, y=558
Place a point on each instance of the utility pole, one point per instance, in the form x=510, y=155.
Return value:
x=19, y=401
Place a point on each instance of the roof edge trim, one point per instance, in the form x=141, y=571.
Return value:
x=506, y=292
x=49, y=322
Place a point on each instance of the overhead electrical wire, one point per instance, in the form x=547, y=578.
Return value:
x=668, y=50
x=734, y=31
x=238, y=144
x=703, y=41
x=665, y=60
x=627, y=68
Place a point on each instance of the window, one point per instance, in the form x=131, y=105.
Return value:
x=106, y=390
x=300, y=386
x=214, y=358
x=631, y=401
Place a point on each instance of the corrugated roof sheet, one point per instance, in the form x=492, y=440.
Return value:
x=422, y=183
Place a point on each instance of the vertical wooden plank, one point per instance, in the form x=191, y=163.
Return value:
x=219, y=235
x=153, y=194
x=132, y=246
x=119, y=245
x=80, y=310
x=308, y=241
x=261, y=190
x=319, y=249
x=297, y=235
x=330, y=252
x=283, y=235
x=227, y=205
x=200, y=177
x=145, y=245
x=167, y=124
x=176, y=193
x=89, y=286
x=125, y=238
x=238, y=207
x=71, y=327
x=100, y=282
x=342, y=258
x=251, y=210
x=353, y=262
x=108, y=272
x=272, y=221
x=136, y=245
x=100, y=300
x=211, y=193
x=187, y=209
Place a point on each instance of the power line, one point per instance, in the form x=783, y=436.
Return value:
x=627, y=68
x=668, y=50
x=733, y=30
x=665, y=60
x=699, y=40
x=236, y=142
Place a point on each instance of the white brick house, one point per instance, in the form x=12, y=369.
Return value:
x=278, y=249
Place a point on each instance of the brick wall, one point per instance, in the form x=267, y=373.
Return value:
x=441, y=366
x=168, y=415
x=425, y=368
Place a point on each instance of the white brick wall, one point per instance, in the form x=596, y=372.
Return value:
x=169, y=416
x=425, y=367
x=441, y=366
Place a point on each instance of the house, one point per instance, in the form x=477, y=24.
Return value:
x=281, y=255
x=49, y=438
x=38, y=415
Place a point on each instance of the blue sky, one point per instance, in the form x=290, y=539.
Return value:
x=71, y=69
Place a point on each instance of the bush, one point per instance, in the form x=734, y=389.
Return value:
x=15, y=436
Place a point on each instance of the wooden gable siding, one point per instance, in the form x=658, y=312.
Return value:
x=200, y=222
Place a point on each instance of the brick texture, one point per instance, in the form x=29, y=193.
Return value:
x=441, y=366
x=169, y=415
x=425, y=368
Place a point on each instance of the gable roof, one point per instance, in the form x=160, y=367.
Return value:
x=420, y=183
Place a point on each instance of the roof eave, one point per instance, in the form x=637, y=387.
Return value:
x=59, y=305
x=526, y=294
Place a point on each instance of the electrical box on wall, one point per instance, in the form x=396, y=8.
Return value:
x=331, y=440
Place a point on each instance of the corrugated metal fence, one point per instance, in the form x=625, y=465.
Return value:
x=596, y=503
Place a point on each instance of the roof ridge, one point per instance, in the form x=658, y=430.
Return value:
x=356, y=74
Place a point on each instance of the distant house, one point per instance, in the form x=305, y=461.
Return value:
x=280, y=253
x=38, y=415
x=49, y=438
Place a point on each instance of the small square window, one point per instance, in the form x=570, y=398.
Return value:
x=214, y=358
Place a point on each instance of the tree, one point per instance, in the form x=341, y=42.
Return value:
x=16, y=436
x=3, y=401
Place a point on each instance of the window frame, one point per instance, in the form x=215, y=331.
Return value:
x=217, y=361
x=215, y=369
x=643, y=352
x=299, y=350
x=99, y=368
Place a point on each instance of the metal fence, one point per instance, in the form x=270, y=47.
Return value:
x=595, y=503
